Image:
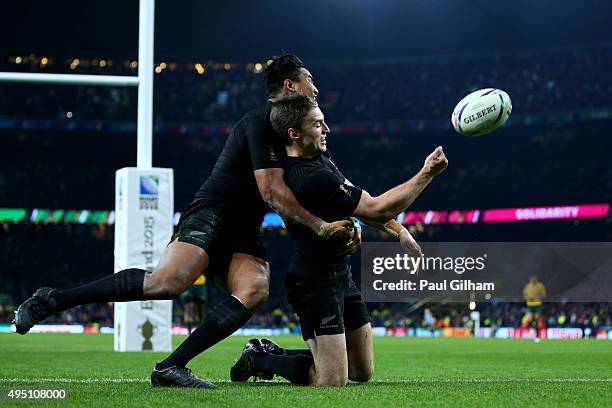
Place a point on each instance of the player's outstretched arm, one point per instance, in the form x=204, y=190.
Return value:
x=279, y=196
x=392, y=202
x=400, y=232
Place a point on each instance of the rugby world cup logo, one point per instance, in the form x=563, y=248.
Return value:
x=149, y=192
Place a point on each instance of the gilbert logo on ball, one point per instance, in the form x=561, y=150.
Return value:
x=481, y=112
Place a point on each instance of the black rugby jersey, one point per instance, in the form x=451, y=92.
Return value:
x=322, y=189
x=251, y=145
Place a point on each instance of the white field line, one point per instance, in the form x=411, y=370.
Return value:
x=390, y=382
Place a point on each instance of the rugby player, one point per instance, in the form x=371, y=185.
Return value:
x=533, y=293
x=333, y=317
x=217, y=233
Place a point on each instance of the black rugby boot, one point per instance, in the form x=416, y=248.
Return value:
x=178, y=377
x=35, y=309
x=242, y=369
x=271, y=347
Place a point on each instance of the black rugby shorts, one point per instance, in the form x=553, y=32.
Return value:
x=221, y=232
x=331, y=305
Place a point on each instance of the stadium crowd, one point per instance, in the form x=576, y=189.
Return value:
x=353, y=91
x=493, y=315
x=51, y=168
x=84, y=256
x=73, y=168
x=579, y=315
x=54, y=169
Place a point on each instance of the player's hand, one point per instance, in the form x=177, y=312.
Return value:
x=354, y=244
x=435, y=163
x=411, y=247
x=340, y=232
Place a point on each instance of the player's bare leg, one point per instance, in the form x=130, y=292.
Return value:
x=248, y=282
x=360, y=353
x=330, y=367
x=325, y=365
x=321, y=365
x=179, y=266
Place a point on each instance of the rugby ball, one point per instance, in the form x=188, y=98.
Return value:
x=481, y=112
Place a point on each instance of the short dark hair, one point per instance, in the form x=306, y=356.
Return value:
x=290, y=112
x=286, y=66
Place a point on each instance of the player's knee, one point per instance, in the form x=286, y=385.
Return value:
x=361, y=370
x=161, y=285
x=262, y=294
x=255, y=295
x=330, y=375
x=361, y=375
x=332, y=379
x=173, y=289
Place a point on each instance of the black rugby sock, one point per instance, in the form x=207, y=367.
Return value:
x=123, y=286
x=293, y=368
x=298, y=352
x=220, y=322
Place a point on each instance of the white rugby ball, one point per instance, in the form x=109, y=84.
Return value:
x=481, y=112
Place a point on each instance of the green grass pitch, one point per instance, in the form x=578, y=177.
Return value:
x=409, y=372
